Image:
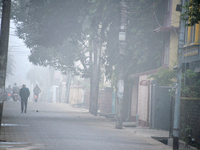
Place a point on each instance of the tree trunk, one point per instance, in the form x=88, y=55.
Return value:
x=91, y=83
x=126, y=113
x=120, y=84
x=94, y=81
x=5, y=26
x=68, y=84
x=97, y=75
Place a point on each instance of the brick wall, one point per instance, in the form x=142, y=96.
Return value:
x=190, y=120
x=105, y=101
x=87, y=99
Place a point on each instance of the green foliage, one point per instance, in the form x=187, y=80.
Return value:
x=189, y=74
x=47, y=23
x=165, y=77
x=192, y=13
x=190, y=84
x=172, y=93
x=108, y=13
x=52, y=30
x=61, y=33
x=61, y=58
x=186, y=132
x=143, y=50
x=190, y=91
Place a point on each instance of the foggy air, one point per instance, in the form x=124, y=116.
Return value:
x=95, y=75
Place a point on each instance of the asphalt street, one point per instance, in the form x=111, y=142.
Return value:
x=59, y=126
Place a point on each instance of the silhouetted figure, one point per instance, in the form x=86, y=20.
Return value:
x=8, y=92
x=24, y=94
x=36, y=92
x=15, y=91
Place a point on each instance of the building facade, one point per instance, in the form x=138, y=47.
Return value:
x=141, y=106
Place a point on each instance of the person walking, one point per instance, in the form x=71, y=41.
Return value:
x=8, y=92
x=24, y=94
x=36, y=92
x=15, y=93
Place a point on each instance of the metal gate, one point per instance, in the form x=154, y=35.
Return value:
x=160, y=107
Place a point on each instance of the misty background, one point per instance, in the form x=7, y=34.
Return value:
x=21, y=65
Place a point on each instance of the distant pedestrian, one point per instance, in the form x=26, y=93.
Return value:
x=36, y=92
x=24, y=94
x=15, y=89
x=15, y=94
x=8, y=92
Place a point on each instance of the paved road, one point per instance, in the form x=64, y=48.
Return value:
x=61, y=127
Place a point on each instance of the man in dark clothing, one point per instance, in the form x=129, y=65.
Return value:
x=24, y=94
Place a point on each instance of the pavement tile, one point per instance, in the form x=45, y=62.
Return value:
x=60, y=126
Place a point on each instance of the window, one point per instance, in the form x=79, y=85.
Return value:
x=192, y=34
x=192, y=37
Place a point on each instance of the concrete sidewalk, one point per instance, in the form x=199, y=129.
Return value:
x=32, y=136
x=154, y=134
x=159, y=135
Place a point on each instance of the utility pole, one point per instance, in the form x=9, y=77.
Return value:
x=120, y=84
x=178, y=85
x=95, y=77
x=4, y=38
x=91, y=83
x=98, y=73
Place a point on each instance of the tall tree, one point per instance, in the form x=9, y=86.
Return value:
x=59, y=36
x=52, y=30
x=144, y=48
x=62, y=36
x=99, y=18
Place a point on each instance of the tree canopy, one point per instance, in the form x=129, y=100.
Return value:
x=51, y=29
x=61, y=33
x=144, y=48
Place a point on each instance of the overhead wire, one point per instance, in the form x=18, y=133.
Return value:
x=131, y=13
x=12, y=34
x=21, y=52
x=13, y=42
x=15, y=46
x=12, y=28
x=152, y=6
x=156, y=19
x=134, y=19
